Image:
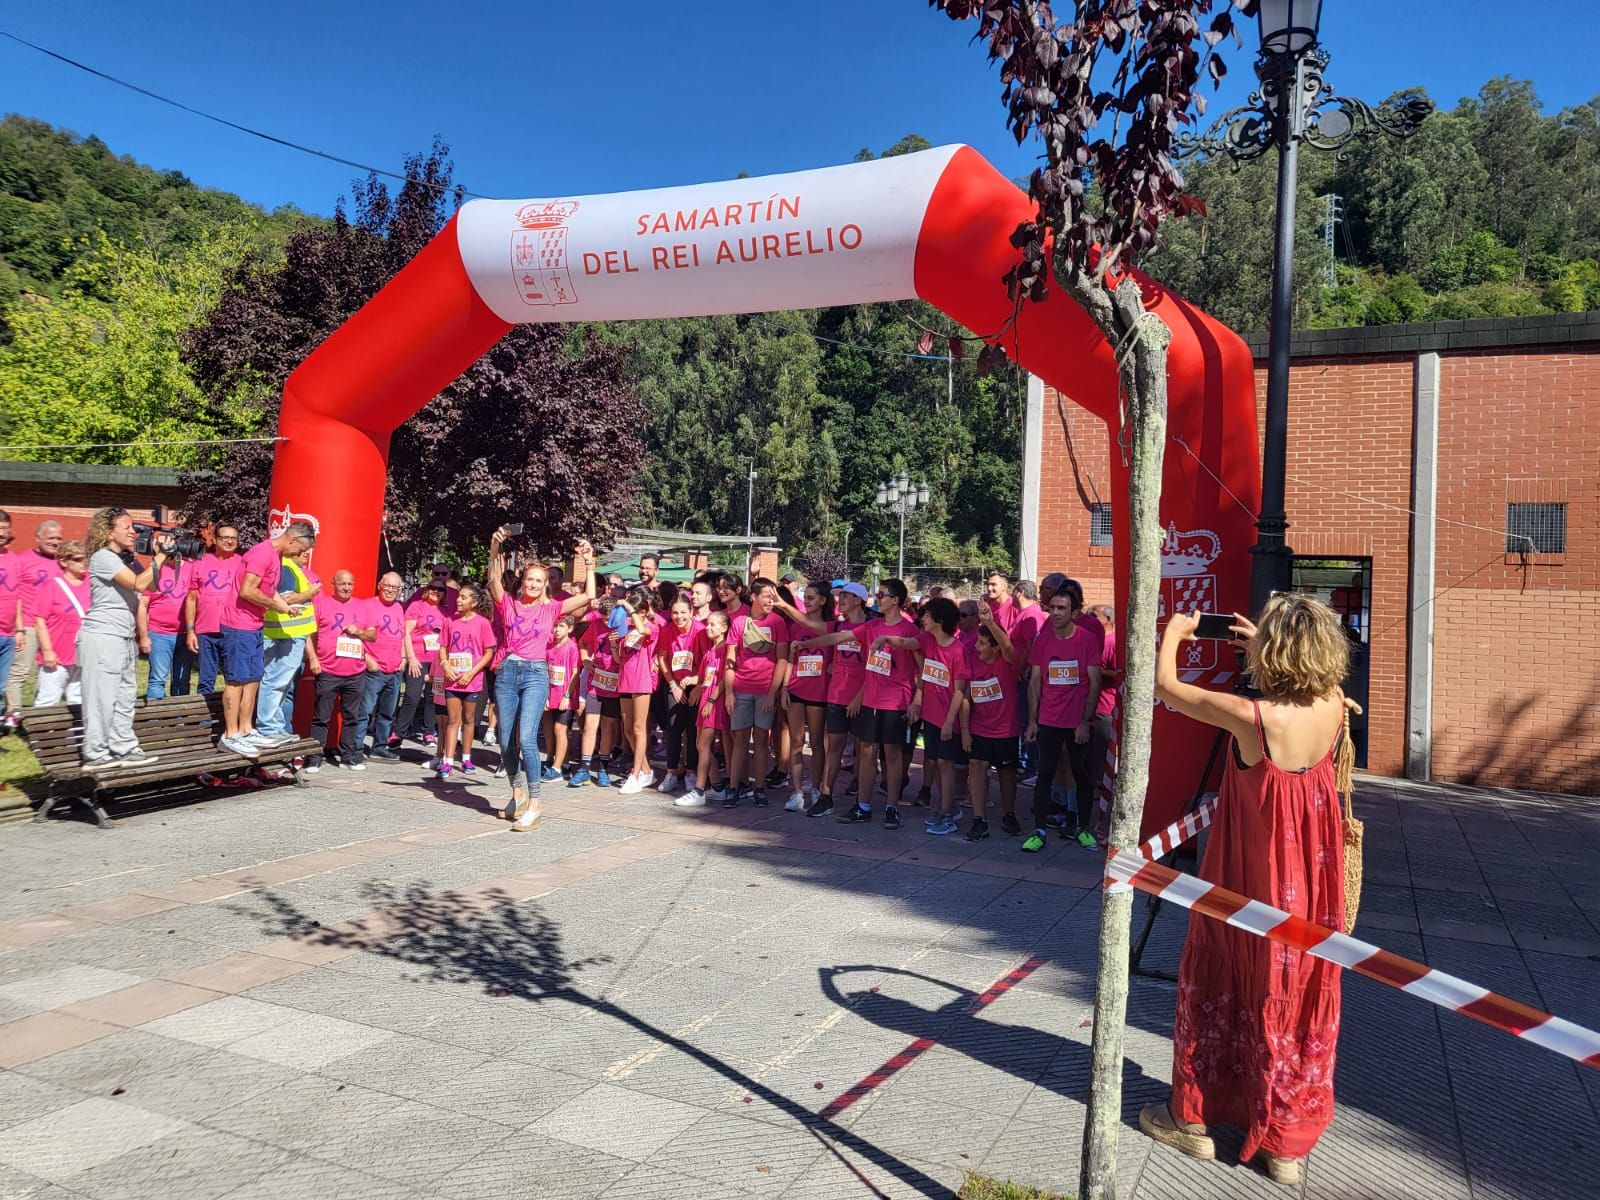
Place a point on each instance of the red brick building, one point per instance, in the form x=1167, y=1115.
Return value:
x=73, y=492
x=1444, y=493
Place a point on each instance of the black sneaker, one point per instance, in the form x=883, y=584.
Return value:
x=891, y=817
x=853, y=789
x=821, y=808
x=759, y=795
x=776, y=778
x=977, y=830
x=730, y=798
x=924, y=797
x=1009, y=825
x=856, y=814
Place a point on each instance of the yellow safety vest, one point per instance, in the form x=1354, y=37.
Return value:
x=278, y=625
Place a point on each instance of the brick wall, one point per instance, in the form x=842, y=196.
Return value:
x=30, y=502
x=1074, y=475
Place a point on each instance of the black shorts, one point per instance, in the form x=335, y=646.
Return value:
x=797, y=702
x=838, y=718
x=562, y=717
x=465, y=697
x=610, y=706
x=885, y=726
x=936, y=748
x=997, y=752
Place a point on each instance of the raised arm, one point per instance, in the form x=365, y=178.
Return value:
x=497, y=567
x=815, y=624
x=1002, y=639
x=573, y=605
x=1225, y=710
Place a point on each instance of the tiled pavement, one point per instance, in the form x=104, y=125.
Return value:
x=368, y=988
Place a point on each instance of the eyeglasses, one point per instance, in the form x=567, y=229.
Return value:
x=885, y=595
x=390, y=587
x=73, y=558
x=227, y=537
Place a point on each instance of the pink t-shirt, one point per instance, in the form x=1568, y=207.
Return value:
x=428, y=630
x=338, y=654
x=994, y=689
x=944, y=670
x=808, y=668
x=36, y=571
x=758, y=646
x=465, y=641
x=848, y=669
x=10, y=589
x=1006, y=613
x=561, y=660
x=1063, y=665
x=528, y=626
x=61, y=618
x=680, y=650
x=636, y=655
x=604, y=676
x=713, y=711
x=168, y=597
x=390, y=622
x=891, y=671
x=1029, y=621
x=261, y=560
x=1108, y=660
x=215, y=581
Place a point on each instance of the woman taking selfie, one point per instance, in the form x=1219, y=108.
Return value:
x=1257, y=1023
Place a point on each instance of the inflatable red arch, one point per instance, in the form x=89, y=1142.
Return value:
x=934, y=225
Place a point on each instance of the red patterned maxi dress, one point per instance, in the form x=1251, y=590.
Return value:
x=1257, y=1022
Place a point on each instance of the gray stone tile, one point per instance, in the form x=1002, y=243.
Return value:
x=304, y=1112
x=313, y=1179
x=198, y=1164
x=531, y=1165
x=58, y=988
x=309, y=1041
x=223, y=1022
x=117, y=1060
x=63, y=1144
x=416, y=1144
x=618, y=1122
x=22, y=1098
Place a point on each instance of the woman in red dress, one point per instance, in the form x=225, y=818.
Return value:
x=1257, y=1022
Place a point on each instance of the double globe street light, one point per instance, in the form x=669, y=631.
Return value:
x=904, y=497
x=1291, y=106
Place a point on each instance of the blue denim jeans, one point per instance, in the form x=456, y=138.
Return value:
x=210, y=661
x=281, y=660
x=378, y=704
x=8, y=651
x=520, y=691
x=170, y=659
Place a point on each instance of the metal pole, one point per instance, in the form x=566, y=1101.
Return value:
x=900, y=572
x=847, y=552
x=750, y=501
x=1270, y=568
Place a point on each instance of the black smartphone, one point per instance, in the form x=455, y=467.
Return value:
x=1216, y=626
x=513, y=529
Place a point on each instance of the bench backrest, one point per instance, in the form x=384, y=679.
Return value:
x=55, y=734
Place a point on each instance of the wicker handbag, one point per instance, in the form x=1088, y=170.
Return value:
x=1344, y=762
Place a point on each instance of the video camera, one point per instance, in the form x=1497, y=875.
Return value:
x=177, y=542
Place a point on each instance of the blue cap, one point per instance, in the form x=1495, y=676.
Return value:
x=837, y=584
x=856, y=590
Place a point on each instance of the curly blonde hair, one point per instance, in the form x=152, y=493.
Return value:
x=99, y=532
x=1300, y=651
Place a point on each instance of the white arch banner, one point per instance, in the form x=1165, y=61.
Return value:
x=809, y=239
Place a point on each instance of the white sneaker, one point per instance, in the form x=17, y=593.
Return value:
x=633, y=785
x=241, y=746
x=797, y=803
x=693, y=798
x=668, y=784
x=816, y=795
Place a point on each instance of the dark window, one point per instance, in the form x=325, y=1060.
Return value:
x=1099, y=524
x=1536, y=528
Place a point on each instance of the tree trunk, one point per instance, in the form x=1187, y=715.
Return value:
x=1142, y=340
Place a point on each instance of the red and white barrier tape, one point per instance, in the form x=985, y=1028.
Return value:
x=1447, y=991
x=1169, y=839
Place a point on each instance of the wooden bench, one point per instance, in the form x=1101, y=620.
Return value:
x=181, y=731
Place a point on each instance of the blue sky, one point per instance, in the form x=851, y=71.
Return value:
x=541, y=98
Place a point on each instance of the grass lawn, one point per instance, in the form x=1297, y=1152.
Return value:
x=18, y=767
x=981, y=1187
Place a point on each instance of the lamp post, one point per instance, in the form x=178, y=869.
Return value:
x=900, y=495
x=1291, y=106
x=750, y=502
x=847, y=551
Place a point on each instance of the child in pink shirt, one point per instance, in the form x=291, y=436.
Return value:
x=467, y=648
x=563, y=662
x=711, y=714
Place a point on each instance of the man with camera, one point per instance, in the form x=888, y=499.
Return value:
x=242, y=640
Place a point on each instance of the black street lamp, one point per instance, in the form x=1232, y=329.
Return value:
x=1292, y=105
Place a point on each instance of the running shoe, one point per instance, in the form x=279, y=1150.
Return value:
x=1009, y=825
x=633, y=784
x=1056, y=821
x=313, y=764
x=381, y=752
x=579, y=777
x=668, y=784
x=796, y=802
x=467, y=768
x=603, y=779
x=891, y=817
x=759, y=796
x=820, y=807
x=731, y=797
x=353, y=766
x=924, y=795
x=445, y=768
x=242, y=746
x=1087, y=840
x=693, y=798
x=549, y=773
x=1034, y=843
x=776, y=777
x=856, y=814
x=394, y=741
x=135, y=758
x=977, y=830
x=944, y=827
x=853, y=789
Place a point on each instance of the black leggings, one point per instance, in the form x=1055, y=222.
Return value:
x=1051, y=743
x=680, y=731
x=415, y=714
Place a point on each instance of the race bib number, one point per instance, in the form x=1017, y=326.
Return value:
x=438, y=686
x=682, y=660
x=633, y=640
x=460, y=663
x=808, y=666
x=430, y=643
x=881, y=662
x=986, y=691
x=935, y=672
x=1063, y=672
x=348, y=647
x=606, y=681
x=848, y=648
x=558, y=675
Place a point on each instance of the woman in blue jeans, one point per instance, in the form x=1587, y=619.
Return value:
x=522, y=681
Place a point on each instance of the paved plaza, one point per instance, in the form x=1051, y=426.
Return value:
x=371, y=988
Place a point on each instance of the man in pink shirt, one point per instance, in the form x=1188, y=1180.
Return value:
x=257, y=591
x=10, y=588
x=997, y=591
x=386, y=655
x=344, y=642
x=216, y=577
x=1063, y=692
x=159, y=627
x=36, y=568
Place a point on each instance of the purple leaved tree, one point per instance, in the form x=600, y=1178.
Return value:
x=543, y=429
x=1107, y=91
